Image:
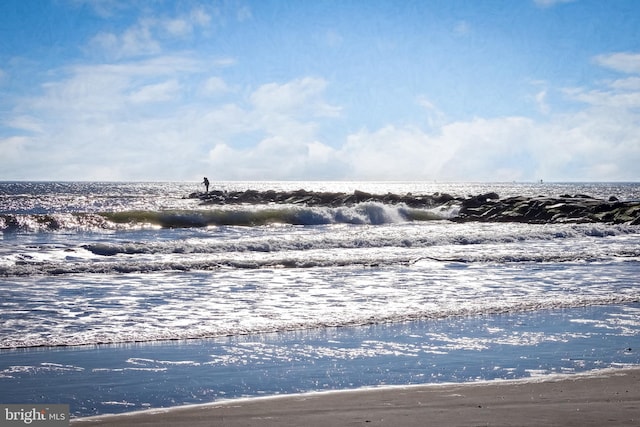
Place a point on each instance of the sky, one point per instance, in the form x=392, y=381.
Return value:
x=434, y=90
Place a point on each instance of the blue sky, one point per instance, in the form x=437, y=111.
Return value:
x=511, y=90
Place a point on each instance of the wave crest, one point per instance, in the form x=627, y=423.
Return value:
x=365, y=213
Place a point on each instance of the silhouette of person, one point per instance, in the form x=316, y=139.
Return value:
x=206, y=184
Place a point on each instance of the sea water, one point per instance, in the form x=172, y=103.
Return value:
x=122, y=296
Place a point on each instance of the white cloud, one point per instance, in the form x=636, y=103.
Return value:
x=489, y=149
x=118, y=114
x=600, y=142
x=283, y=123
x=477, y=150
x=288, y=96
x=159, y=92
x=480, y=149
x=625, y=62
x=592, y=145
x=225, y=124
x=296, y=97
x=185, y=24
x=135, y=41
x=291, y=111
x=541, y=101
x=276, y=157
x=583, y=146
x=99, y=121
x=25, y=123
x=95, y=90
x=81, y=94
x=200, y=17
x=107, y=115
x=12, y=149
x=215, y=85
x=605, y=98
x=435, y=118
x=178, y=27
x=623, y=93
x=244, y=13
x=392, y=153
x=268, y=138
x=630, y=83
x=146, y=35
x=224, y=62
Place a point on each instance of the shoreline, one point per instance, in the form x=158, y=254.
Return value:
x=602, y=397
x=515, y=347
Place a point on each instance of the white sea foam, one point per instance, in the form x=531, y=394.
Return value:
x=102, y=263
x=327, y=246
x=145, y=307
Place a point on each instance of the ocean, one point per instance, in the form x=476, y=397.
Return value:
x=124, y=296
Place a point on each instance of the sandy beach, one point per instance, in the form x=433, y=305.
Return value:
x=610, y=397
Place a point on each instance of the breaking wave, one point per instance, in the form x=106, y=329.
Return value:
x=366, y=246
x=53, y=269
x=365, y=213
x=409, y=238
x=347, y=319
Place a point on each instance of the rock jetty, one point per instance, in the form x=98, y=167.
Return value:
x=488, y=207
x=319, y=198
x=540, y=210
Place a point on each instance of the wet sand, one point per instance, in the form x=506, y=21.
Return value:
x=610, y=397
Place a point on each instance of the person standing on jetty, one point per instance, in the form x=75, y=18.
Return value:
x=206, y=184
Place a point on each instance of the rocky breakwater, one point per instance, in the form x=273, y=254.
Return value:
x=487, y=207
x=540, y=210
x=319, y=198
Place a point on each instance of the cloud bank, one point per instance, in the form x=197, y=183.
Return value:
x=146, y=113
x=102, y=121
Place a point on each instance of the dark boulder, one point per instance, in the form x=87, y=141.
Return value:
x=574, y=209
